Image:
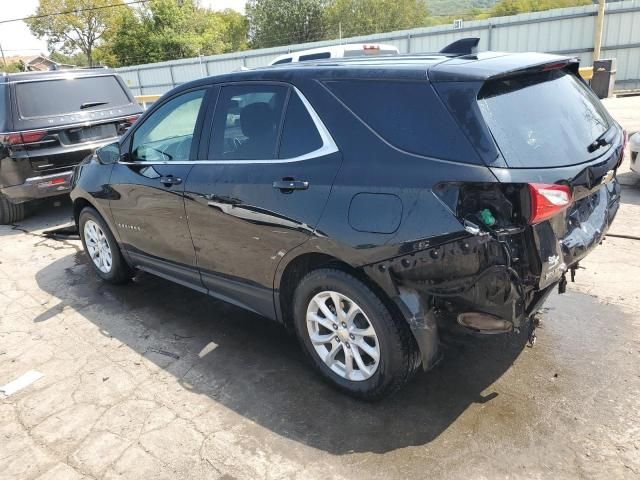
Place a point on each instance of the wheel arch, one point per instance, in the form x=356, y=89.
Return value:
x=298, y=266
x=403, y=303
x=78, y=205
x=80, y=202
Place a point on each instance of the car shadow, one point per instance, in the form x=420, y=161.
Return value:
x=255, y=368
x=41, y=215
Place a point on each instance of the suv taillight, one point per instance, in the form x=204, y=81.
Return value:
x=547, y=200
x=25, y=137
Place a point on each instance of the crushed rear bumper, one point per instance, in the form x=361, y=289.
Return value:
x=506, y=275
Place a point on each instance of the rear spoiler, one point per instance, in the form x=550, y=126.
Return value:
x=494, y=65
x=571, y=64
x=464, y=46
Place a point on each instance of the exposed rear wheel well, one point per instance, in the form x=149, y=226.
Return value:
x=300, y=266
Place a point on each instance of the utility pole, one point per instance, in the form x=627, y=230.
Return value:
x=340, y=32
x=4, y=60
x=597, y=41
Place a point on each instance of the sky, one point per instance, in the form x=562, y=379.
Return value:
x=16, y=39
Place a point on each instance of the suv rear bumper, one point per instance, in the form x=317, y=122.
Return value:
x=39, y=187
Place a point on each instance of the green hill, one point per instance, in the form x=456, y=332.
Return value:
x=455, y=7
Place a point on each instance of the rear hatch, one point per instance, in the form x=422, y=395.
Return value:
x=555, y=150
x=60, y=120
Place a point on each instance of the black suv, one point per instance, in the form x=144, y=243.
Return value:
x=367, y=204
x=50, y=121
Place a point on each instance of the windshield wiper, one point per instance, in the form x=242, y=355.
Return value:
x=91, y=104
x=602, y=140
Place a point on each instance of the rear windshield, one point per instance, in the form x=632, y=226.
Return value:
x=69, y=95
x=315, y=56
x=546, y=119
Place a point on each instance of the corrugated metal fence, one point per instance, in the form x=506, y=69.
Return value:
x=567, y=31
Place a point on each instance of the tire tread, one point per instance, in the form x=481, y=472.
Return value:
x=10, y=212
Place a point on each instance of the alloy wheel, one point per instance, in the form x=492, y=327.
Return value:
x=342, y=336
x=98, y=246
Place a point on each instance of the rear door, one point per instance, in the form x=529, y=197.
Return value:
x=259, y=189
x=148, y=188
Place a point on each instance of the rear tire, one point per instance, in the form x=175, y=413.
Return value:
x=10, y=212
x=362, y=332
x=102, y=249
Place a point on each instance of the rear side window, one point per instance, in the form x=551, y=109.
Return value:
x=299, y=134
x=315, y=56
x=408, y=115
x=69, y=95
x=247, y=122
x=545, y=119
x=283, y=60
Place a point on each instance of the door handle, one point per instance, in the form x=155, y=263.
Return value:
x=170, y=180
x=289, y=184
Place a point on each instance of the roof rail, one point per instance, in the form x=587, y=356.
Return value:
x=464, y=46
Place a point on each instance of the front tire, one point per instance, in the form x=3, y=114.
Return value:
x=102, y=249
x=351, y=337
x=10, y=212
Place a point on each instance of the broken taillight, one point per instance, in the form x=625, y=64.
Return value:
x=548, y=200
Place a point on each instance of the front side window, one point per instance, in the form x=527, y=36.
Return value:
x=247, y=122
x=167, y=135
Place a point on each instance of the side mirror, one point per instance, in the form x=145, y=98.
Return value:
x=109, y=153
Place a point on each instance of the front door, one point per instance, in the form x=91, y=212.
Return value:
x=260, y=191
x=149, y=188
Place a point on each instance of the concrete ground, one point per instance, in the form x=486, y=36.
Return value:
x=152, y=380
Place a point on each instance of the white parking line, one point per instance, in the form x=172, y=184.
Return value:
x=21, y=382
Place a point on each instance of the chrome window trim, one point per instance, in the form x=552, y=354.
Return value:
x=328, y=146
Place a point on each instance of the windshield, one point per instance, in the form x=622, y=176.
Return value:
x=546, y=119
x=68, y=95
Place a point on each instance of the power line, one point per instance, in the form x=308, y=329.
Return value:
x=78, y=10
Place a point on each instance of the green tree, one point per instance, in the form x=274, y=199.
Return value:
x=363, y=17
x=13, y=67
x=282, y=22
x=236, y=30
x=79, y=59
x=171, y=29
x=86, y=24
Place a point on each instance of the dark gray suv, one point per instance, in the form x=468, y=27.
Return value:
x=50, y=121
